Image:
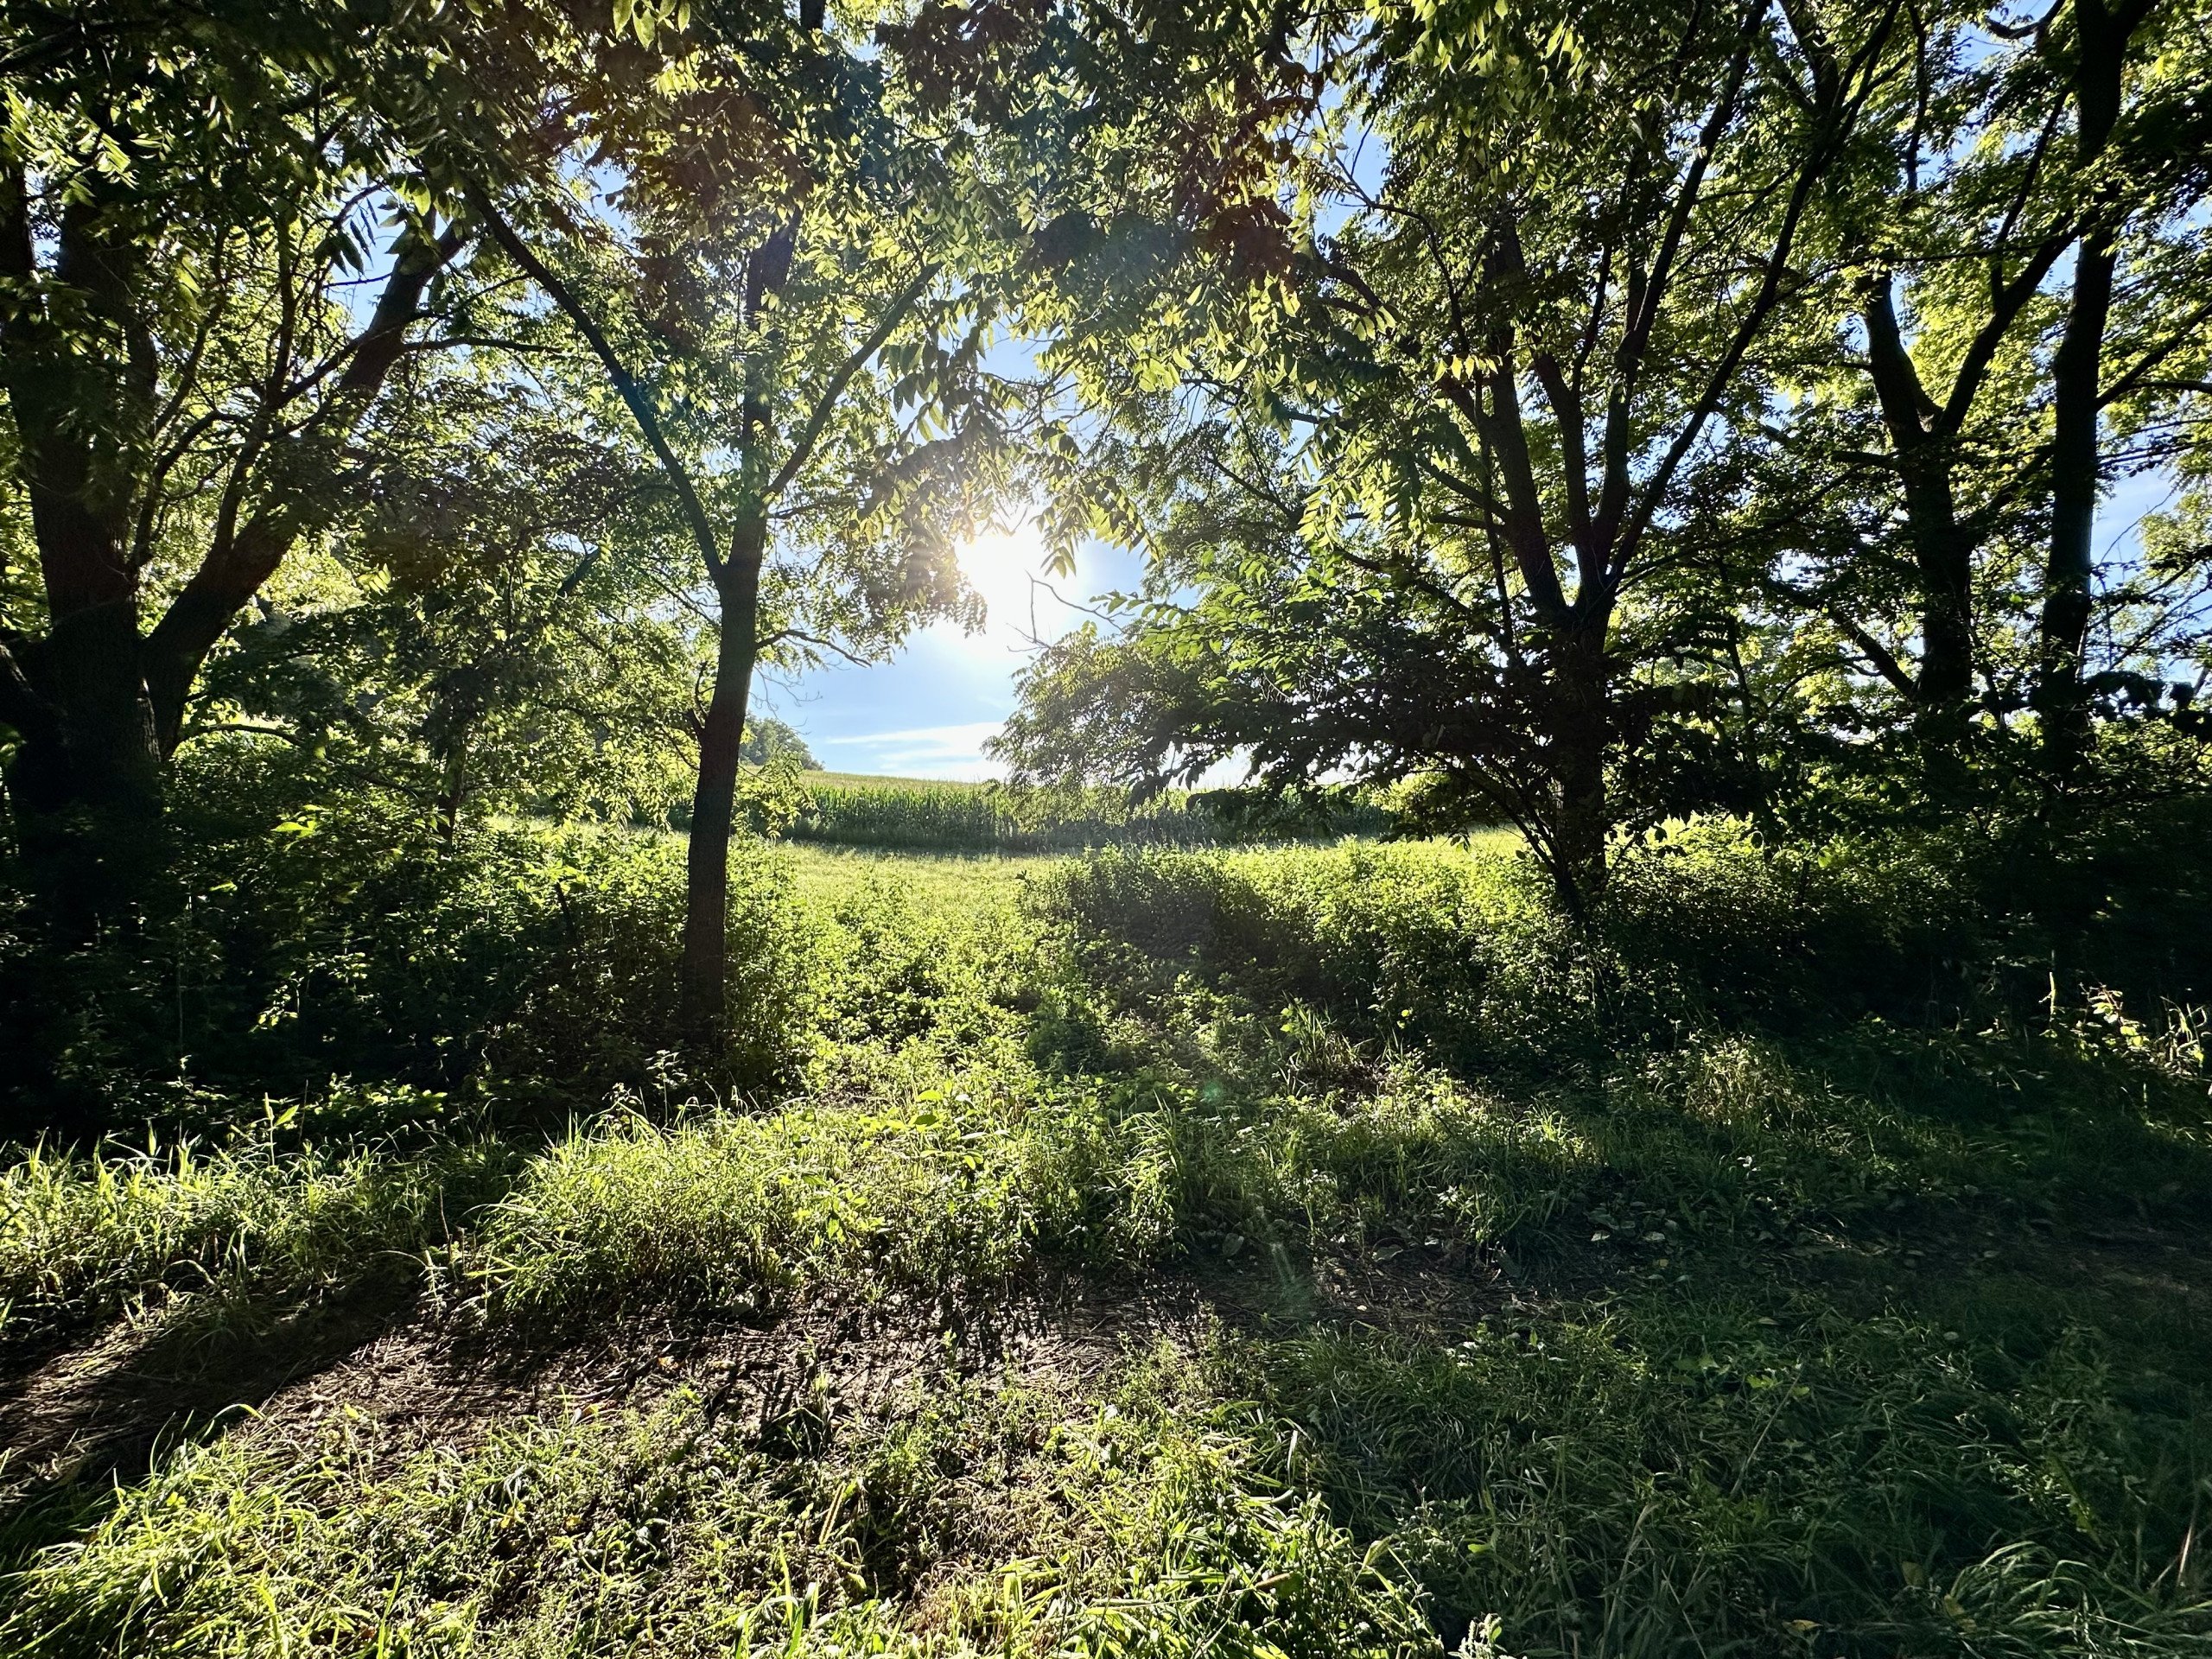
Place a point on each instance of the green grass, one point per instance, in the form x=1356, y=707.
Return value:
x=1293, y=1251
x=944, y=882
x=1143, y=1527
x=746, y=1212
x=85, y=1236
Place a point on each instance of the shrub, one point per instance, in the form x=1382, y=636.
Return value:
x=529, y=966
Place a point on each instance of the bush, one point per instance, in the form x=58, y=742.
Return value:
x=522, y=965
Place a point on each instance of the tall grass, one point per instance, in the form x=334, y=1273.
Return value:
x=86, y=1235
x=1475, y=1287
x=744, y=1211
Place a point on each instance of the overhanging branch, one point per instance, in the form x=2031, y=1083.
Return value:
x=625, y=383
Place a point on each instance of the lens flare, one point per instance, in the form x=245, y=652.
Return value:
x=999, y=565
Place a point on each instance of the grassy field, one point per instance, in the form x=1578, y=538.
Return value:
x=1289, y=1251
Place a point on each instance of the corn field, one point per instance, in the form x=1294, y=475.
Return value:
x=856, y=811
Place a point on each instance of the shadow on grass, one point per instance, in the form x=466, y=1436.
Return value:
x=279, y=1291
x=91, y=1419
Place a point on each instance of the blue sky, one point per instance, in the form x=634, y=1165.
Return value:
x=927, y=712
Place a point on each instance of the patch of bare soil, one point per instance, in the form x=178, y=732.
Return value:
x=444, y=1382
x=98, y=1411
x=823, y=1373
x=1412, y=1291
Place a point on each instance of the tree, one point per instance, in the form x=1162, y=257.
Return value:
x=768, y=741
x=1424, y=497
x=220, y=231
x=2021, y=326
x=490, y=628
x=182, y=372
x=837, y=435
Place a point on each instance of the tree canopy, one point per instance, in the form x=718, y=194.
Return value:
x=1577, y=415
x=1665, y=410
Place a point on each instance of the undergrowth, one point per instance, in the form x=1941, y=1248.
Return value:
x=1763, y=1276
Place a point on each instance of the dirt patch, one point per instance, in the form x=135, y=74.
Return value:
x=1411, y=1291
x=97, y=1412
x=448, y=1383
x=826, y=1374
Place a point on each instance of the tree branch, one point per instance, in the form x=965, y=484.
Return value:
x=626, y=385
x=803, y=446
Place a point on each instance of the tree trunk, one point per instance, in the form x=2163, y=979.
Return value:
x=453, y=783
x=1947, y=659
x=1582, y=727
x=1941, y=554
x=703, y=973
x=84, y=782
x=2077, y=390
x=2076, y=376
x=86, y=786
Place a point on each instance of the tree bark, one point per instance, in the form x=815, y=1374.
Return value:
x=703, y=975
x=1942, y=556
x=2077, y=375
x=84, y=783
x=1580, y=731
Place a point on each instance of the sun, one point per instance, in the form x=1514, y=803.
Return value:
x=999, y=565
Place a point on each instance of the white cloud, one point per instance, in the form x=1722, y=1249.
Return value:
x=920, y=752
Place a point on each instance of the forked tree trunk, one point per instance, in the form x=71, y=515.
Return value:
x=1943, y=552
x=97, y=706
x=703, y=973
